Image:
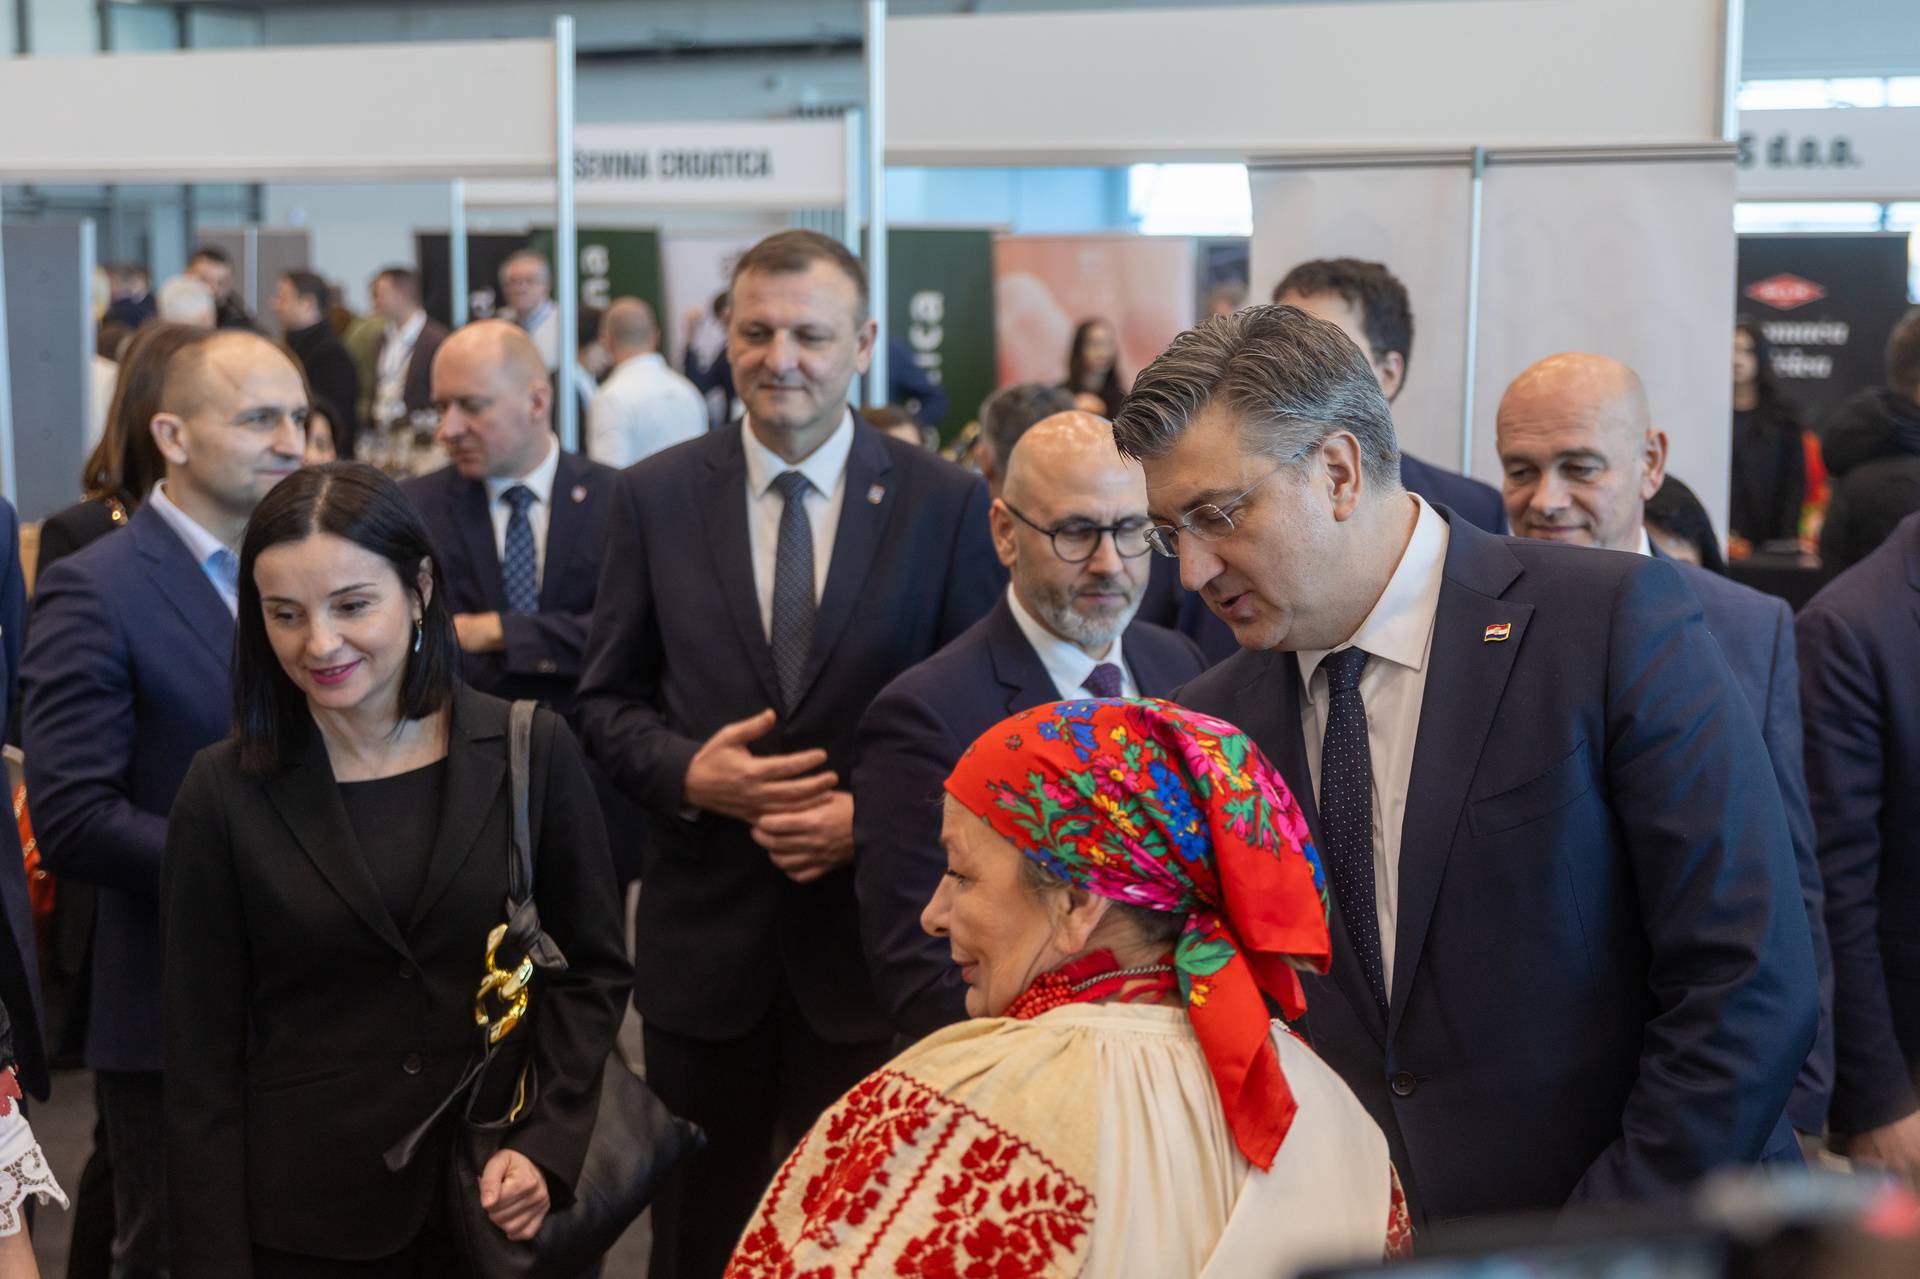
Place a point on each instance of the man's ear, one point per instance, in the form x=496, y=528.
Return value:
x=1392, y=373
x=1000, y=519
x=863, y=353
x=170, y=437
x=1654, y=454
x=1340, y=461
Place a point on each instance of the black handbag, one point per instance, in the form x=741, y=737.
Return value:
x=636, y=1140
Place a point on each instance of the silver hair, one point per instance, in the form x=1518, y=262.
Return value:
x=1160, y=927
x=1291, y=381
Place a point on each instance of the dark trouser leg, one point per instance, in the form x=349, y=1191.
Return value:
x=728, y=1087
x=815, y=1073
x=90, y=1246
x=130, y=1107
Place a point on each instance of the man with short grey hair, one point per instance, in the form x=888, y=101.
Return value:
x=1571, y=961
x=1005, y=416
x=643, y=406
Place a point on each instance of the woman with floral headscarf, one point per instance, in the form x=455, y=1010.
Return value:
x=1128, y=883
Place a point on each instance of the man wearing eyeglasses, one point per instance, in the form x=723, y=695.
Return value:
x=1571, y=962
x=1070, y=525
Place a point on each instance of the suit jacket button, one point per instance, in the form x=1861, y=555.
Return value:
x=547, y=666
x=1403, y=1084
x=412, y=1064
x=406, y=972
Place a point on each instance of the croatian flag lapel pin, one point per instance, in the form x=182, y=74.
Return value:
x=579, y=493
x=875, y=493
x=1497, y=632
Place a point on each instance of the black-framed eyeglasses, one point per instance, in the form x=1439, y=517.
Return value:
x=1208, y=522
x=1076, y=540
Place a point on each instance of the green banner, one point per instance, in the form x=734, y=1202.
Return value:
x=940, y=289
x=615, y=262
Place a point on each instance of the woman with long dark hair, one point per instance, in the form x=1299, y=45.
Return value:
x=1769, y=460
x=332, y=874
x=1093, y=366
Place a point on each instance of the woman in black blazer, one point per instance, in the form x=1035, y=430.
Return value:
x=332, y=872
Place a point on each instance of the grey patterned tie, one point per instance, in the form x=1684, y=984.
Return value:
x=793, y=602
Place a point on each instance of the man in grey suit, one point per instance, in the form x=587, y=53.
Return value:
x=1580, y=456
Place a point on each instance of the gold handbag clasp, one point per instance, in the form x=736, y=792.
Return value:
x=509, y=987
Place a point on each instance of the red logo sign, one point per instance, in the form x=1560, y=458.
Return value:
x=1784, y=292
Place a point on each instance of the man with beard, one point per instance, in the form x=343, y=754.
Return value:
x=1070, y=525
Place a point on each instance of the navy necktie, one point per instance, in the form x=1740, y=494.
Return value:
x=1346, y=813
x=519, y=572
x=1103, y=680
x=793, y=602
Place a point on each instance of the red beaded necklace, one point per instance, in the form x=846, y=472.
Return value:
x=1093, y=978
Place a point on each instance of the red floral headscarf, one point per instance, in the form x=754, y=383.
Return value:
x=1153, y=805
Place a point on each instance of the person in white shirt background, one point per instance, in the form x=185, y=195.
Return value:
x=526, y=283
x=643, y=406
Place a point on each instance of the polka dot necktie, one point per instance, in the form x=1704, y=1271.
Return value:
x=1103, y=680
x=518, y=572
x=793, y=602
x=1346, y=813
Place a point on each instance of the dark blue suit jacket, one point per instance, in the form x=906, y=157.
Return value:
x=1603, y=985
x=1755, y=633
x=1860, y=696
x=544, y=650
x=126, y=676
x=20, y=969
x=678, y=650
x=1477, y=503
x=909, y=741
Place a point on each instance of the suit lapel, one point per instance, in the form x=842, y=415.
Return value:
x=183, y=584
x=1018, y=668
x=1143, y=660
x=723, y=516
x=476, y=765
x=1466, y=677
x=308, y=800
x=468, y=500
x=863, y=515
x=564, y=522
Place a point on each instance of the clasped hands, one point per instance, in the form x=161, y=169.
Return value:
x=805, y=824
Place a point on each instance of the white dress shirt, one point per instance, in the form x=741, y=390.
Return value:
x=539, y=511
x=390, y=377
x=543, y=326
x=1646, y=543
x=826, y=472
x=1065, y=660
x=215, y=558
x=1398, y=637
x=642, y=407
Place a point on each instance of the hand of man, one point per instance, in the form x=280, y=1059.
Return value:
x=480, y=632
x=806, y=843
x=726, y=778
x=1895, y=1147
x=514, y=1193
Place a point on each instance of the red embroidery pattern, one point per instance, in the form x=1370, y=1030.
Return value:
x=1399, y=1224
x=899, y=1181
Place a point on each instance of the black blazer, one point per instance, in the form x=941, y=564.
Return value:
x=72, y=527
x=909, y=741
x=416, y=391
x=1603, y=985
x=1478, y=503
x=307, y=1030
x=542, y=658
x=1860, y=696
x=677, y=650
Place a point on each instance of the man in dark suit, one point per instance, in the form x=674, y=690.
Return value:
x=403, y=362
x=1571, y=960
x=761, y=584
x=125, y=677
x=1070, y=526
x=516, y=520
x=1581, y=458
x=1860, y=689
x=1369, y=304
x=299, y=303
x=20, y=967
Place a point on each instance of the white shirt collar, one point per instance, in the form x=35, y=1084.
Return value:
x=200, y=543
x=1401, y=623
x=1646, y=543
x=1066, y=662
x=823, y=467
x=408, y=333
x=539, y=479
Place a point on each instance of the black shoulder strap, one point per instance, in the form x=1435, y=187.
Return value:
x=524, y=933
